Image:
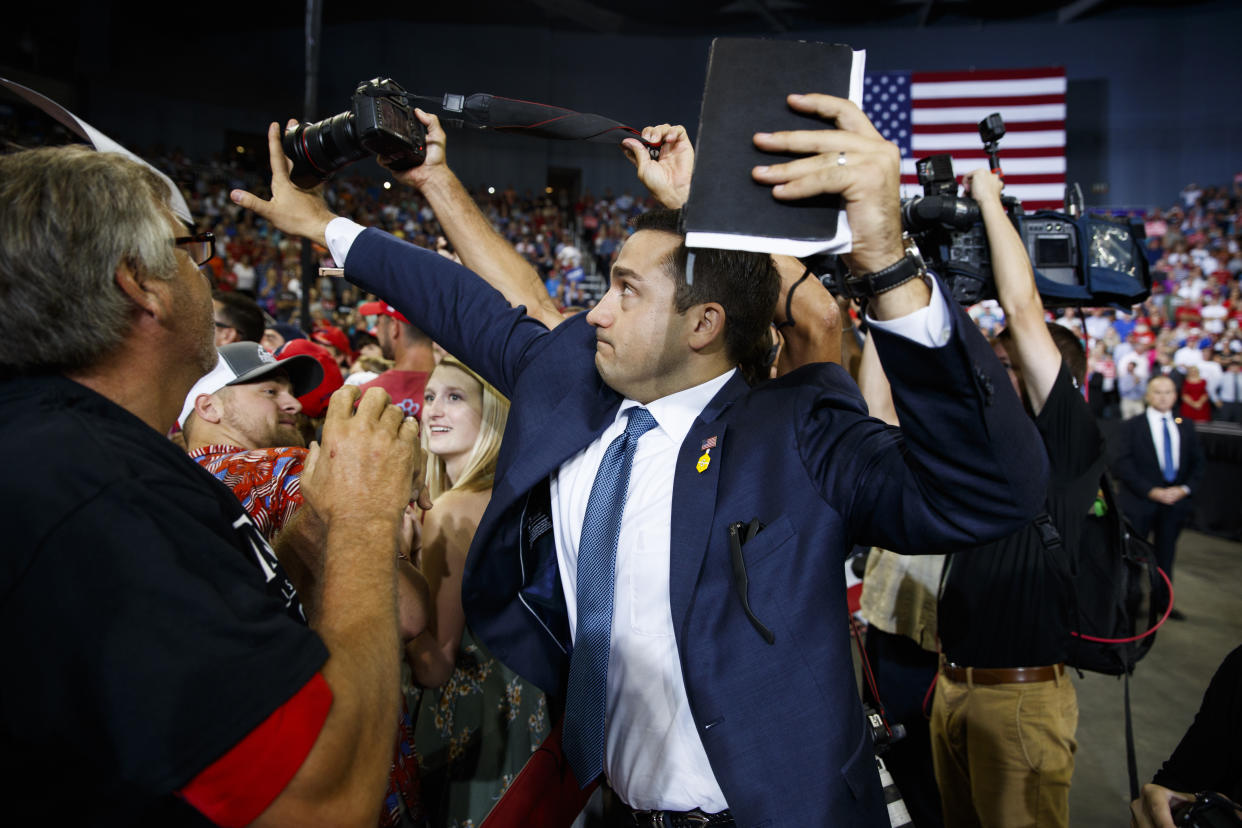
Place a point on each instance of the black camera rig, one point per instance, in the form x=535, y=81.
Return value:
x=1078, y=258
x=380, y=121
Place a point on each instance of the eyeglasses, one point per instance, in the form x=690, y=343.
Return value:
x=201, y=247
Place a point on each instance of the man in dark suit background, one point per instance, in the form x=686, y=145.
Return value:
x=728, y=695
x=1160, y=465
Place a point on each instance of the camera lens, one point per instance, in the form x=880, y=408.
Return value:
x=322, y=148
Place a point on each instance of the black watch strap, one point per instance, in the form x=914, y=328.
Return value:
x=871, y=285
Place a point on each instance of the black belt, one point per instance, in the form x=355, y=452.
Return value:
x=681, y=819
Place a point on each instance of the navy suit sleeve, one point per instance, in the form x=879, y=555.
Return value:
x=966, y=466
x=1129, y=466
x=451, y=304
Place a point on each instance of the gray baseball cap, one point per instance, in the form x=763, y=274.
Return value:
x=245, y=362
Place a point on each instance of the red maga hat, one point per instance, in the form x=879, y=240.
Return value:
x=315, y=402
x=381, y=309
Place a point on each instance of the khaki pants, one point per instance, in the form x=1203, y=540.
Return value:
x=1004, y=754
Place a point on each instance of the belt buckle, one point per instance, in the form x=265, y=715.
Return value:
x=697, y=817
x=649, y=819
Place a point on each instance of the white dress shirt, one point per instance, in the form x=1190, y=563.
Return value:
x=1154, y=418
x=1229, y=387
x=653, y=756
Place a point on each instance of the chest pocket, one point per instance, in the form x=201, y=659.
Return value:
x=766, y=541
x=650, y=612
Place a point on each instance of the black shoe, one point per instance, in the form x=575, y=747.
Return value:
x=1176, y=615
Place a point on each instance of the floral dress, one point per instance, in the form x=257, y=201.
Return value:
x=474, y=735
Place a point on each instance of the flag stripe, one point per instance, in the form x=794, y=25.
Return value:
x=996, y=101
x=983, y=88
x=944, y=143
x=967, y=114
x=973, y=128
x=988, y=75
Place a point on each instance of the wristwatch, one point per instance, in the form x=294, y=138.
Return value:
x=871, y=285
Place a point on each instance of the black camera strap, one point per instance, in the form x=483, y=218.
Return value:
x=512, y=115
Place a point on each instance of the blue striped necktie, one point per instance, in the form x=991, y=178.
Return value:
x=1170, y=470
x=583, y=736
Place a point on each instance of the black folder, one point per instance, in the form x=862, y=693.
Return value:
x=747, y=83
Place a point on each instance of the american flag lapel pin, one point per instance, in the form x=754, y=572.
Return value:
x=706, y=459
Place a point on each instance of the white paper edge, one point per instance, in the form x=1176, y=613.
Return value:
x=839, y=243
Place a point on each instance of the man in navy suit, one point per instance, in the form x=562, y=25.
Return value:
x=729, y=691
x=1160, y=465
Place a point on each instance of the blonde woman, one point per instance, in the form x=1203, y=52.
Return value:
x=477, y=721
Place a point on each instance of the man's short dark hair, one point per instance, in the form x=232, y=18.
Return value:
x=242, y=314
x=1067, y=342
x=745, y=284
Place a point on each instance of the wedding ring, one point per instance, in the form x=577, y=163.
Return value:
x=840, y=159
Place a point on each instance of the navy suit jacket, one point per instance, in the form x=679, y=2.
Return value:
x=781, y=723
x=1138, y=465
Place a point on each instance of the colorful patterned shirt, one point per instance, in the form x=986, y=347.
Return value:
x=266, y=481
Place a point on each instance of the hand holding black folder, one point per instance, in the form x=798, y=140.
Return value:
x=747, y=84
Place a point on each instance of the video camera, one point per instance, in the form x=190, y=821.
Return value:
x=1078, y=259
x=379, y=122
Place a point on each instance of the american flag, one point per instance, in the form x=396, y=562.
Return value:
x=926, y=113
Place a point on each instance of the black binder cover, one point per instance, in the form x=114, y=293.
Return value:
x=747, y=83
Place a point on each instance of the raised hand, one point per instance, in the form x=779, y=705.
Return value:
x=294, y=210
x=853, y=160
x=668, y=178
x=436, y=160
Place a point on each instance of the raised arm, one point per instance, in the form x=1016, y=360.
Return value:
x=358, y=481
x=480, y=247
x=967, y=465
x=452, y=304
x=1033, y=347
x=807, y=317
x=873, y=384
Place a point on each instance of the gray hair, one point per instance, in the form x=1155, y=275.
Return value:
x=69, y=216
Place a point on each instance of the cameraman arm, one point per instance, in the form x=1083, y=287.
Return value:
x=814, y=334
x=480, y=247
x=873, y=383
x=1035, y=351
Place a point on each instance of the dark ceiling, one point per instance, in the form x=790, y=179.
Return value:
x=58, y=40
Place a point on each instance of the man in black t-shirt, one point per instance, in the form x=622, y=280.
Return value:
x=160, y=670
x=1209, y=756
x=1005, y=712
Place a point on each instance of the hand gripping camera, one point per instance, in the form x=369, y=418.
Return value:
x=379, y=122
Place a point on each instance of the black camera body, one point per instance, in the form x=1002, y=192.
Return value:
x=380, y=122
x=1078, y=259
x=1208, y=810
